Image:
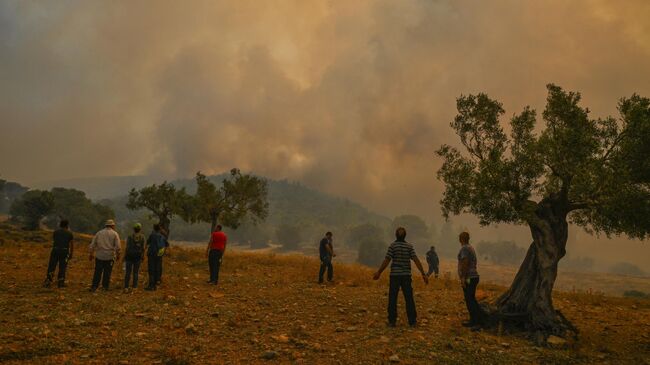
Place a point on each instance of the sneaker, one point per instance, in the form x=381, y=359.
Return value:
x=468, y=324
x=92, y=290
x=150, y=288
x=476, y=328
x=61, y=285
x=126, y=291
x=391, y=324
x=47, y=284
x=413, y=325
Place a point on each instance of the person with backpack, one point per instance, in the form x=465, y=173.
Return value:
x=401, y=253
x=105, y=250
x=61, y=253
x=155, y=250
x=133, y=256
x=433, y=261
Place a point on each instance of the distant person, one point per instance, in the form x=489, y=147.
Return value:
x=215, y=251
x=165, y=234
x=433, y=261
x=105, y=249
x=469, y=278
x=155, y=250
x=61, y=253
x=326, y=251
x=401, y=253
x=133, y=256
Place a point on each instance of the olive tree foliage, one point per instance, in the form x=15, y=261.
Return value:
x=240, y=196
x=163, y=202
x=32, y=207
x=594, y=173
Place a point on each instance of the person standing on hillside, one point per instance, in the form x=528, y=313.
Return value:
x=326, y=251
x=401, y=253
x=155, y=250
x=133, y=256
x=469, y=278
x=433, y=261
x=60, y=255
x=165, y=252
x=214, y=252
x=105, y=249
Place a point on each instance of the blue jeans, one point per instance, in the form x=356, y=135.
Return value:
x=132, y=267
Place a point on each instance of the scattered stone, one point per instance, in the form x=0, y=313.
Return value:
x=215, y=314
x=190, y=329
x=556, y=342
x=177, y=324
x=505, y=345
x=384, y=339
x=351, y=329
x=394, y=358
x=269, y=355
x=339, y=329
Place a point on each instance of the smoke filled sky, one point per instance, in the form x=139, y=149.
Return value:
x=349, y=97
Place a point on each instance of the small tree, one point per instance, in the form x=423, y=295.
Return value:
x=84, y=215
x=371, y=252
x=162, y=201
x=592, y=172
x=239, y=196
x=32, y=207
x=289, y=236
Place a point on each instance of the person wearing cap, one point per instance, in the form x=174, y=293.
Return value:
x=105, y=250
x=433, y=261
x=133, y=256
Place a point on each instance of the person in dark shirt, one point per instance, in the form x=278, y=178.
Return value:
x=133, y=256
x=469, y=278
x=61, y=253
x=433, y=261
x=401, y=253
x=326, y=252
x=155, y=250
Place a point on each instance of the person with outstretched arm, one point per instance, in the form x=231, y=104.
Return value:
x=433, y=261
x=61, y=253
x=105, y=250
x=214, y=252
x=326, y=252
x=401, y=253
x=469, y=278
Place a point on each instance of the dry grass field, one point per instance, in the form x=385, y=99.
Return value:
x=269, y=309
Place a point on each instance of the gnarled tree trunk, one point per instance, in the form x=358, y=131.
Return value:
x=529, y=299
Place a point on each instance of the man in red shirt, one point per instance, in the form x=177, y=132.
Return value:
x=216, y=248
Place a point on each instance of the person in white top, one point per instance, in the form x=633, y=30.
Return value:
x=105, y=249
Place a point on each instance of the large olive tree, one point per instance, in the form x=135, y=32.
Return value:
x=594, y=173
x=162, y=201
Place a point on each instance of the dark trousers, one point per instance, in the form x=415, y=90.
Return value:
x=132, y=267
x=154, y=264
x=403, y=282
x=214, y=261
x=475, y=312
x=326, y=264
x=103, y=269
x=58, y=257
x=160, y=269
x=432, y=268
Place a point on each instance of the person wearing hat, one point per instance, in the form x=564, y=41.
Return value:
x=433, y=261
x=133, y=256
x=105, y=249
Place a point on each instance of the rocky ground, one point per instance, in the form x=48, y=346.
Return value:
x=269, y=309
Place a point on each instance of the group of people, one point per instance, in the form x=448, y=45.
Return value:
x=399, y=255
x=105, y=250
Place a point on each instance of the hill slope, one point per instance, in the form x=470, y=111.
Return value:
x=269, y=305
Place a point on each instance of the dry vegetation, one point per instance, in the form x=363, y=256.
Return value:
x=270, y=306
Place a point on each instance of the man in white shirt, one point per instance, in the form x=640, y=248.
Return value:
x=105, y=249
